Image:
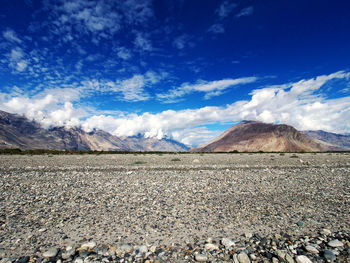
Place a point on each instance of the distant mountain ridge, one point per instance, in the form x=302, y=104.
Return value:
x=254, y=136
x=332, y=139
x=18, y=132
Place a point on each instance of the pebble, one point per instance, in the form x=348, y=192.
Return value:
x=228, y=243
x=243, y=258
x=335, y=243
x=88, y=246
x=126, y=248
x=300, y=223
x=50, y=253
x=303, y=259
x=325, y=232
x=311, y=249
x=211, y=247
x=78, y=260
x=201, y=258
x=329, y=255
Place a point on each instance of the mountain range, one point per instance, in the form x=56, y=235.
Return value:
x=247, y=136
x=254, y=136
x=18, y=132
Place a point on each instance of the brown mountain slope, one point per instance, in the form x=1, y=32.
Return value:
x=19, y=132
x=253, y=136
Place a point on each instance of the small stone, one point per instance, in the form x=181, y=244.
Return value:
x=248, y=235
x=88, y=245
x=227, y=243
x=303, y=259
x=201, y=258
x=211, y=247
x=289, y=258
x=325, y=232
x=281, y=255
x=300, y=223
x=275, y=260
x=78, y=260
x=126, y=248
x=153, y=249
x=243, y=258
x=143, y=249
x=311, y=249
x=335, y=243
x=329, y=255
x=195, y=161
x=50, y=253
x=252, y=257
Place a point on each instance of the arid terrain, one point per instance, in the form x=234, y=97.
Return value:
x=183, y=201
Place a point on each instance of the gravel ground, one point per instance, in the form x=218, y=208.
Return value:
x=181, y=201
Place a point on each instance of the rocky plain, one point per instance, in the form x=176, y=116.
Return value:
x=261, y=207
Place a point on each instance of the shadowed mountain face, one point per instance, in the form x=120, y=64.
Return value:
x=253, y=136
x=19, y=132
x=332, y=139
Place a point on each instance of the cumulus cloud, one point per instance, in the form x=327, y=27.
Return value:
x=52, y=107
x=246, y=11
x=210, y=88
x=300, y=104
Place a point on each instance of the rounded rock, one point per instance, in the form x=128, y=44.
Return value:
x=329, y=255
x=88, y=245
x=303, y=259
x=311, y=249
x=325, y=232
x=227, y=243
x=335, y=243
x=243, y=258
x=201, y=258
x=211, y=247
x=50, y=253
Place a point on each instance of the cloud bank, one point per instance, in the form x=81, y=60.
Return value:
x=300, y=104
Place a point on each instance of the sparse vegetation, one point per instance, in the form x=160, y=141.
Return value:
x=294, y=156
x=139, y=162
x=175, y=160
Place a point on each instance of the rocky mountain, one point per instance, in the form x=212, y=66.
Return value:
x=18, y=132
x=332, y=139
x=254, y=136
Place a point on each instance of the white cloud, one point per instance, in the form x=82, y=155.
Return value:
x=300, y=104
x=142, y=42
x=217, y=29
x=124, y=53
x=183, y=41
x=16, y=59
x=210, y=88
x=101, y=19
x=133, y=89
x=11, y=36
x=246, y=11
x=296, y=104
x=225, y=9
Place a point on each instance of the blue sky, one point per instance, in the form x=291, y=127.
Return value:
x=185, y=69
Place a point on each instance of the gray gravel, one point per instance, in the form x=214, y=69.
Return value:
x=150, y=203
